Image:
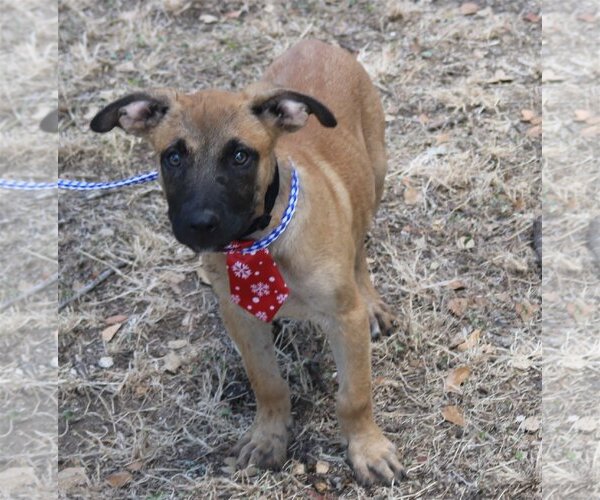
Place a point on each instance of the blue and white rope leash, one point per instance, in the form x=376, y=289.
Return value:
x=152, y=176
x=285, y=221
x=78, y=185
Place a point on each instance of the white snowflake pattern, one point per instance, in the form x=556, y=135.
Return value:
x=261, y=289
x=235, y=298
x=241, y=270
x=281, y=298
x=261, y=315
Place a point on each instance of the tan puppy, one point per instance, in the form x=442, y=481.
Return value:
x=219, y=156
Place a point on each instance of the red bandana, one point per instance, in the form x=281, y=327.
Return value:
x=255, y=283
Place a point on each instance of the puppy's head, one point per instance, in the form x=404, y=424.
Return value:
x=216, y=152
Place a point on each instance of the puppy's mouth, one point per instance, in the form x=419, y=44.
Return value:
x=216, y=240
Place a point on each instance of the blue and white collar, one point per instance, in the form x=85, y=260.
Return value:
x=283, y=224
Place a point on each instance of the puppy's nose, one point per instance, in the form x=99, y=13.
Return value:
x=205, y=221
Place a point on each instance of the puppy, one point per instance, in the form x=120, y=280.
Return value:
x=280, y=204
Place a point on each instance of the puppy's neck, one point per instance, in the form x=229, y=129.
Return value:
x=281, y=202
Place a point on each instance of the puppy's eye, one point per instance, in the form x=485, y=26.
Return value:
x=240, y=157
x=174, y=159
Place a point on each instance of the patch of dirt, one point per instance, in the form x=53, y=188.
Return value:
x=461, y=196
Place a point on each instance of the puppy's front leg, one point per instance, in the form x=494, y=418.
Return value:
x=371, y=454
x=265, y=443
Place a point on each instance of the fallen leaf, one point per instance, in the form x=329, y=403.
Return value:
x=531, y=424
x=455, y=378
x=140, y=390
x=453, y=415
x=298, y=469
x=527, y=115
x=119, y=479
x=551, y=297
x=234, y=14
x=399, y=9
x=70, y=477
x=129, y=15
x=519, y=204
x=15, y=478
x=579, y=310
x=593, y=120
x=469, y=8
x=423, y=119
x=500, y=77
x=587, y=17
x=459, y=338
x=591, y=131
x=105, y=362
x=442, y=138
x=534, y=131
x=411, y=196
x=465, y=242
x=321, y=486
x=457, y=285
x=521, y=362
x=487, y=349
x=458, y=306
x=526, y=310
x=511, y=262
x=550, y=76
x=126, y=67
x=586, y=424
x=117, y=318
x=172, y=362
x=177, y=344
x=437, y=123
x=173, y=277
x=209, y=19
x=321, y=467
x=582, y=115
x=173, y=5
x=187, y=320
x=109, y=332
x=532, y=17
x=485, y=12
x=135, y=466
x=471, y=342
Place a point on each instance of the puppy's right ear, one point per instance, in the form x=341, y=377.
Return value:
x=135, y=113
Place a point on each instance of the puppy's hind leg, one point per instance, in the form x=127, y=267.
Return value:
x=381, y=319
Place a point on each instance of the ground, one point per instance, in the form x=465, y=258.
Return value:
x=450, y=250
x=28, y=253
x=571, y=280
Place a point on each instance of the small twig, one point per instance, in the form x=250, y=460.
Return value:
x=28, y=293
x=103, y=276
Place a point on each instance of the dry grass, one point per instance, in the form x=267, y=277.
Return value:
x=571, y=279
x=28, y=252
x=462, y=192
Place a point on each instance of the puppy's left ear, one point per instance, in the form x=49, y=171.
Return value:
x=288, y=111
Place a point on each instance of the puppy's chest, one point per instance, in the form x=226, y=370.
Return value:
x=310, y=294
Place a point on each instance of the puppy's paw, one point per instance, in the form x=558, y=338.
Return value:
x=381, y=320
x=374, y=459
x=264, y=445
